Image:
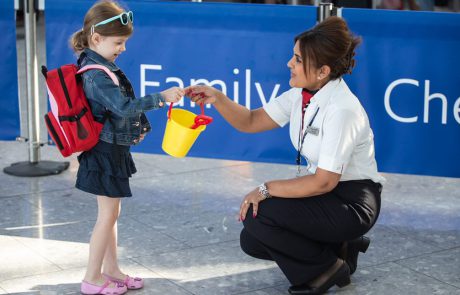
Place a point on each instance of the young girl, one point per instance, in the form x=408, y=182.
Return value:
x=105, y=170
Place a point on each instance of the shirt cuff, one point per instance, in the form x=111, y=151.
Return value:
x=158, y=100
x=330, y=164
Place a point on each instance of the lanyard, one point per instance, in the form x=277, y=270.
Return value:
x=302, y=134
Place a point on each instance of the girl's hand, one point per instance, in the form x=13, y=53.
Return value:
x=253, y=198
x=202, y=94
x=173, y=94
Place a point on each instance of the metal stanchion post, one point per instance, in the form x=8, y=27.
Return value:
x=33, y=167
x=31, y=81
x=326, y=10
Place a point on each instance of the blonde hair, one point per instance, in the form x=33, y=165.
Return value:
x=100, y=11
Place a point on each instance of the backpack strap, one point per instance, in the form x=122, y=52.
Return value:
x=115, y=81
x=100, y=67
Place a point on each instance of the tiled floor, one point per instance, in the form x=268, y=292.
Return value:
x=181, y=233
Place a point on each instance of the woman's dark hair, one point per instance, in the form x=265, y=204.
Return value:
x=329, y=43
x=100, y=11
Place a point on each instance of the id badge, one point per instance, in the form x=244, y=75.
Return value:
x=312, y=130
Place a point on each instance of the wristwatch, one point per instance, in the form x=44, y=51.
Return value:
x=263, y=191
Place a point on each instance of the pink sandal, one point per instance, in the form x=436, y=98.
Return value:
x=90, y=289
x=129, y=282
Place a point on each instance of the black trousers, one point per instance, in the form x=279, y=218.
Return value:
x=303, y=235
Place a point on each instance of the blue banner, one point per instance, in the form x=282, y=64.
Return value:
x=405, y=74
x=408, y=80
x=9, y=104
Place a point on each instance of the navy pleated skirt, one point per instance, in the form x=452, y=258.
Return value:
x=105, y=170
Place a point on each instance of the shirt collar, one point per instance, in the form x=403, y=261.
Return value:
x=97, y=58
x=322, y=97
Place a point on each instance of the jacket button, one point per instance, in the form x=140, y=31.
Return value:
x=145, y=129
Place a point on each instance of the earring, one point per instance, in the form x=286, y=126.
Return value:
x=319, y=78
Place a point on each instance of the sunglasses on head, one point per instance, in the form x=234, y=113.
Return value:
x=124, y=18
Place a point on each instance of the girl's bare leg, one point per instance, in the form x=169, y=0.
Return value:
x=102, y=236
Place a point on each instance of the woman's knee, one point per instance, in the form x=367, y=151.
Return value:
x=251, y=246
x=249, y=221
x=265, y=218
x=245, y=242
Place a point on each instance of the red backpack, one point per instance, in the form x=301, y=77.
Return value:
x=70, y=122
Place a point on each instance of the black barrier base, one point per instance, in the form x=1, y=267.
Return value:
x=42, y=168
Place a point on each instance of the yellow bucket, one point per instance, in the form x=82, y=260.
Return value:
x=179, y=136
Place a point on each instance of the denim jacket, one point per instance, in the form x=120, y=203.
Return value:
x=123, y=113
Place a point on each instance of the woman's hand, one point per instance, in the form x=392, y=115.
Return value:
x=141, y=137
x=202, y=94
x=173, y=94
x=253, y=198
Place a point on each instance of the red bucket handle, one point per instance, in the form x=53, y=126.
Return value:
x=169, y=110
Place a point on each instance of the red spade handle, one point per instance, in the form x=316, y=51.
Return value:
x=201, y=119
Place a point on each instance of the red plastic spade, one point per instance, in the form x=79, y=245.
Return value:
x=201, y=119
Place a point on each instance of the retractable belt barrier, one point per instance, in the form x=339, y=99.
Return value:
x=406, y=75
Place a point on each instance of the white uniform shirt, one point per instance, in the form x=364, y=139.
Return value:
x=340, y=138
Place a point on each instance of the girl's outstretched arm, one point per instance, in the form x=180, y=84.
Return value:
x=106, y=93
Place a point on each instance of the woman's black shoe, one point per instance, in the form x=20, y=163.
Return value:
x=341, y=278
x=352, y=249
